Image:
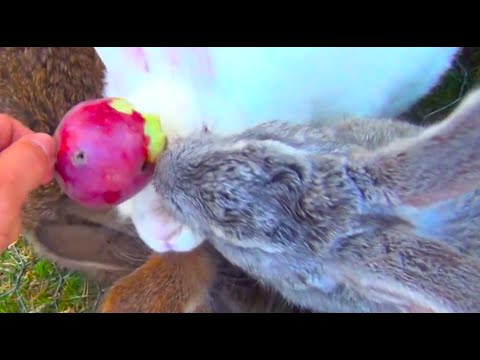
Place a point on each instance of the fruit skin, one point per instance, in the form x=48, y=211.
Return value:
x=106, y=152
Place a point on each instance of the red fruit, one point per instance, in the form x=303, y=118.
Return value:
x=107, y=152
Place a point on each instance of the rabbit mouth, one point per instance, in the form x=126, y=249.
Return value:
x=161, y=233
x=170, y=238
x=175, y=238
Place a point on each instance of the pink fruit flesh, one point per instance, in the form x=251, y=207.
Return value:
x=102, y=158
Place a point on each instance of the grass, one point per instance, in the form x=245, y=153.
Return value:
x=464, y=75
x=29, y=284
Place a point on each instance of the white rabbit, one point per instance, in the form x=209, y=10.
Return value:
x=229, y=89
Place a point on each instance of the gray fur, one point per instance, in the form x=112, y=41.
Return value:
x=360, y=216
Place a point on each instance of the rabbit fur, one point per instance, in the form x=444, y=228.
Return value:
x=361, y=216
x=227, y=90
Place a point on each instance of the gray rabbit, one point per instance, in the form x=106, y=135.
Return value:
x=358, y=216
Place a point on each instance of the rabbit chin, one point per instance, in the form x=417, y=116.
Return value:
x=155, y=228
x=164, y=237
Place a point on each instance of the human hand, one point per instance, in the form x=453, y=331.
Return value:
x=26, y=161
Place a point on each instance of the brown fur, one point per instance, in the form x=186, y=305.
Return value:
x=185, y=277
x=199, y=281
x=38, y=86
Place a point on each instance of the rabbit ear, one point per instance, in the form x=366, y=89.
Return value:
x=403, y=270
x=440, y=164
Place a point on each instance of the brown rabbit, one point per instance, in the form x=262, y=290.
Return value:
x=38, y=86
x=364, y=216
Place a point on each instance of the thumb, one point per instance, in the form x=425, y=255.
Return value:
x=25, y=165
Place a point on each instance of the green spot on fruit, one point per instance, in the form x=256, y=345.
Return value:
x=153, y=129
x=122, y=106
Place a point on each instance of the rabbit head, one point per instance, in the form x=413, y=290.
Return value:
x=268, y=200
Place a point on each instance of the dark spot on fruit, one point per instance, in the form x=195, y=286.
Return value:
x=79, y=158
x=111, y=197
x=144, y=165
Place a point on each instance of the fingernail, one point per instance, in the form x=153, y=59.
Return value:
x=46, y=143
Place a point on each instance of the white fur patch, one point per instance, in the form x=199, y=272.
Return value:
x=157, y=230
x=185, y=241
x=173, y=101
x=125, y=209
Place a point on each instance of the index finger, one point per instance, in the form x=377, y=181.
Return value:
x=11, y=130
